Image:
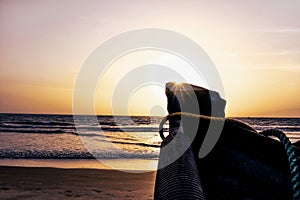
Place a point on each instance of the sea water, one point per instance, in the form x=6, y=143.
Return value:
x=57, y=137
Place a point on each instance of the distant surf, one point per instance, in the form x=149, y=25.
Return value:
x=31, y=136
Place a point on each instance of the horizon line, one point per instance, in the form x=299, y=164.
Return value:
x=24, y=113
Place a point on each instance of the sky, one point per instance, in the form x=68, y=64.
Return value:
x=255, y=46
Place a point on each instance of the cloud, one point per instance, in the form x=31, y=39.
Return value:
x=279, y=30
x=264, y=53
x=288, y=30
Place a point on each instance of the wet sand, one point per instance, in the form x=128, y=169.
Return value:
x=53, y=183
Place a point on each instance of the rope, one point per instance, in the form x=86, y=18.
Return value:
x=232, y=122
x=294, y=168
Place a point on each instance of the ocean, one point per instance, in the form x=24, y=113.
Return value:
x=39, y=136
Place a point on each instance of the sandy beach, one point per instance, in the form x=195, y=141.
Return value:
x=53, y=183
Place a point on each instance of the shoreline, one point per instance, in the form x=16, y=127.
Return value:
x=142, y=165
x=54, y=183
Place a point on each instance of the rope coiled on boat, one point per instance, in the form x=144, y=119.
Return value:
x=201, y=117
x=292, y=159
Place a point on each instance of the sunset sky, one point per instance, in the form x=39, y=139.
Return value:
x=255, y=46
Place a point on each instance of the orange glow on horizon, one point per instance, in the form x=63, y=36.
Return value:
x=41, y=53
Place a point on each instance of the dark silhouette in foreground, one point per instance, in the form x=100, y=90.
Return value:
x=243, y=164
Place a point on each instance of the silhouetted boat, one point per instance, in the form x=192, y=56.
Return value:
x=243, y=164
